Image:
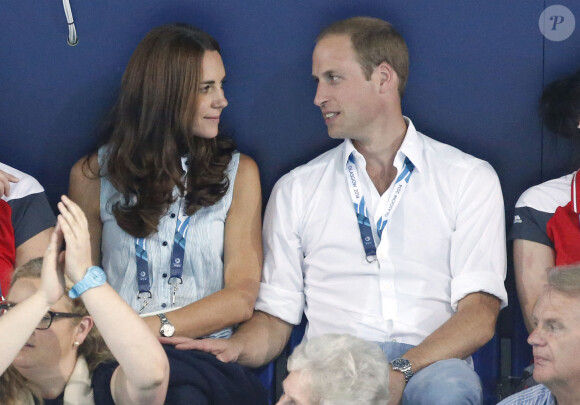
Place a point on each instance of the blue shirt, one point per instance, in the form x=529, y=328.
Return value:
x=536, y=395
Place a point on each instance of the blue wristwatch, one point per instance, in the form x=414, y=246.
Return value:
x=95, y=277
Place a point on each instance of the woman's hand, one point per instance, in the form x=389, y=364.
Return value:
x=52, y=283
x=75, y=229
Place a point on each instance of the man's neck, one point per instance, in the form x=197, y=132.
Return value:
x=379, y=152
x=566, y=395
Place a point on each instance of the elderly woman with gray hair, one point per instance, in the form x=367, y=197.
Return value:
x=336, y=369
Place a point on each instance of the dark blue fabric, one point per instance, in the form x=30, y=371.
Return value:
x=198, y=378
x=195, y=378
x=101, y=383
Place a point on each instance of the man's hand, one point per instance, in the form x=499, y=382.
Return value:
x=5, y=180
x=396, y=387
x=225, y=350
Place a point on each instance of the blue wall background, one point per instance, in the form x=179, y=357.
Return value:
x=477, y=71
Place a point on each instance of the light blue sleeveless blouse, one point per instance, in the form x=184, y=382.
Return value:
x=203, y=270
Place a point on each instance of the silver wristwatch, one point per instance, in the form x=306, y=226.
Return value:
x=404, y=366
x=167, y=329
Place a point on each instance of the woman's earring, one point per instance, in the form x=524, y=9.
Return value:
x=77, y=344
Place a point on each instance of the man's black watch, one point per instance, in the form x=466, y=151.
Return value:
x=404, y=366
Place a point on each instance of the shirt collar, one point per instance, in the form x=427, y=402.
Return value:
x=412, y=148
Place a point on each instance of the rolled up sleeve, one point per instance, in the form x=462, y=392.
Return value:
x=478, y=246
x=282, y=287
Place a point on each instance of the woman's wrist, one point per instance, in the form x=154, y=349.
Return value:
x=79, y=273
x=43, y=299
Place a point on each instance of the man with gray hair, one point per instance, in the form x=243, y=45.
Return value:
x=336, y=369
x=555, y=341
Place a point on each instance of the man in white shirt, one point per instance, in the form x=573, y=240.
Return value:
x=392, y=236
x=555, y=341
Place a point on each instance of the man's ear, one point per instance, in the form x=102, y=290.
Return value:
x=388, y=78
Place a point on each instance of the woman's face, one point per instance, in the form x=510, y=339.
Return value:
x=45, y=349
x=296, y=390
x=211, y=99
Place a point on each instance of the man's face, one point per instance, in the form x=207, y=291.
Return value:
x=350, y=103
x=556, y=339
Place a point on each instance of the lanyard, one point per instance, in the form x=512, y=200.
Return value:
x=360, y=208
x=176, y=266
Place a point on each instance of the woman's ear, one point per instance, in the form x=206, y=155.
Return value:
x=83, y=329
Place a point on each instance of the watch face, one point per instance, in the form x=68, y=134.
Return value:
x=97, y=275
x=399, y=364
x=167, y=330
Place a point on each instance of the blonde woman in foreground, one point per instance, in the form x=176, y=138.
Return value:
x=52, y=352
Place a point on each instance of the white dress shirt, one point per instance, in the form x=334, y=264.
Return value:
x=445, y=239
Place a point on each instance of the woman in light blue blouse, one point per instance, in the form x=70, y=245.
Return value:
x=174, y=210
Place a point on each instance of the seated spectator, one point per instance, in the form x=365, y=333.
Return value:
x=545, y=226
x=336, y=369
x=555, y=340
x=50, y=344
x=26, y=221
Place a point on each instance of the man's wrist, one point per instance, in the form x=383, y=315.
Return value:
x=403, y=366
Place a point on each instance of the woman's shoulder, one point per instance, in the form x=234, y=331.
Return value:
x=247, y=169
x=86, y=169
x=84, y=184
x=246, y=163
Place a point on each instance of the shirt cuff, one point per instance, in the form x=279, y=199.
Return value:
x=482, y=281
x=283, y=304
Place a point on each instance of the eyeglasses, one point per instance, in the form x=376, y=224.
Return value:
x=46, y=320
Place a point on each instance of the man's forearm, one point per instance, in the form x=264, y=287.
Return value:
x=261, y=339
x=470, y=328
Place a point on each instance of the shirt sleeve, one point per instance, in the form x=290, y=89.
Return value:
x=478, y=244
x=31, y=212
x=282, y=287
x=30, y=216
x=531, y=224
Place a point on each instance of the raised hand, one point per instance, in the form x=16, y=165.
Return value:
x=73, y=223
x=52, y=278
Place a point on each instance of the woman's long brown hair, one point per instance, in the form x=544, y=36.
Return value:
x=151, y=127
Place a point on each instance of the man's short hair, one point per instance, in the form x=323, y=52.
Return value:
x=374, y=41
x=342, y=369
x=565, y=279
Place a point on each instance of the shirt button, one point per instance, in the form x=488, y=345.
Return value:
x=164, y=275
x=163, y=305
x=172, y=215
x=164, y=243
